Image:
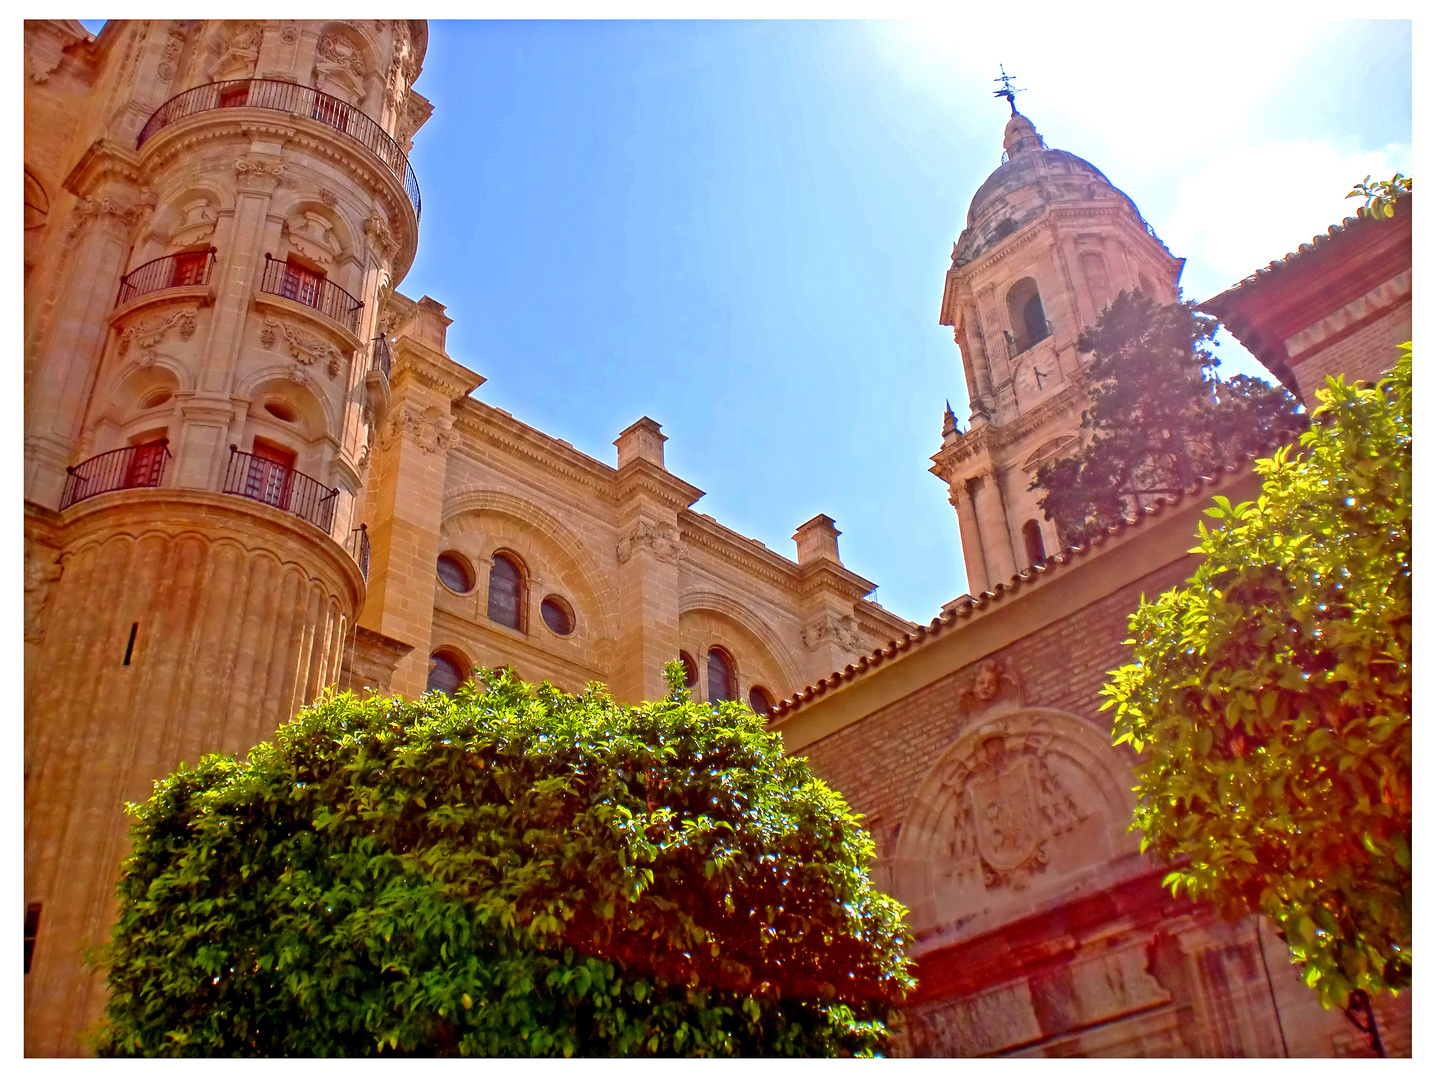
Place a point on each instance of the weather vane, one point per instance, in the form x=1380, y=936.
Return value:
x=1009, y=91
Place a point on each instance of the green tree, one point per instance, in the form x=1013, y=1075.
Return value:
x=1160, y=418
x=510, y=871
x=1270, y=699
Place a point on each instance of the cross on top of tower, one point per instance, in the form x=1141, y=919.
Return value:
x=1008, y=91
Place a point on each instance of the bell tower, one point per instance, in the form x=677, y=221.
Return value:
x=1048, y=244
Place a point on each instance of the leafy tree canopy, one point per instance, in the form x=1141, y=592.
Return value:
x=507, y=871
x=1271, y=699
x=1161, y=417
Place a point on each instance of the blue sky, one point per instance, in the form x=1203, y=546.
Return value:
x=741, y=229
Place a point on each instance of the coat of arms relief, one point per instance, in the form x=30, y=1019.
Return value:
x=1007, y=806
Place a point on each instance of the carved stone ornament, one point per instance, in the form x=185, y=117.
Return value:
x=148, y=333
x=1007, y=805
x=290, y=34
x=338, y=49
x=197, y=222
x=662, y=541
x=258, y=174
x=305, y=348
x=239, y=52
x=314, y=237
x=430, y=429
x=989, y=680
x=382, y=241
x=122, y=218
x=41, y=573
x=329, y=198
x=843, y=630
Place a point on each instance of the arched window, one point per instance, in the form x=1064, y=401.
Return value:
x=692, y=673
x=507, y=592
x=1027, y=315
x=447, y=672
x=760, y=700
x=720, y=675
x=1034, y=542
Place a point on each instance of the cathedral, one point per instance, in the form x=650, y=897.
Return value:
x=252, y=471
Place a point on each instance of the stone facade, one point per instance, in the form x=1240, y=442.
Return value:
x=245, y=452
x=253, y=471
x=974, y=746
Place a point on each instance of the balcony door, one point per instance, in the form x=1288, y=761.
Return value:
x=271, y=474
x=301, y=284
x=147, y=459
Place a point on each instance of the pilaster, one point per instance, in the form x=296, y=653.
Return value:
x=407, y=488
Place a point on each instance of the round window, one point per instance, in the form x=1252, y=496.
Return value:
x=447, y=672
x=692, y=673
x=760, y=700
x=454, y=572
x=557, y=615
x=281, y=411
x=155, y=398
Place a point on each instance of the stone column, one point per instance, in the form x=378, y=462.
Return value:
x=999, y=551
x=976, y=574
x=648, y=551
x=100, y=231
x=407, y=489
x=831, y=633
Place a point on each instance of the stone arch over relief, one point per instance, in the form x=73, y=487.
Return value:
x=1017, y=806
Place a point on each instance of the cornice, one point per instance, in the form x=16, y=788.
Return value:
x=417, y=363
x=641, y=477
x=104, y=160
x=498, y=428
x=751, y=556
x=313, y=137
x=825, y=576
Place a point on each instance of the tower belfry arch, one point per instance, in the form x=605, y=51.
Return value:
x=1047, y=245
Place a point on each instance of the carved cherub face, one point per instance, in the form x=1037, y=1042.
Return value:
x=994, y=750
x=987, y=682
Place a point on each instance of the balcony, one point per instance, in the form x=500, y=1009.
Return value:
x=129, y=467
x=311, y=289
x=1023, y=344
x=296, y=100
x=359, y=548
x=167, y=272
x=277, y=484
x=380, y=355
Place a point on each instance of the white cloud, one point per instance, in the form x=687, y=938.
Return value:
x=1249, y=205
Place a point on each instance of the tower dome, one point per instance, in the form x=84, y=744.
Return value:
x=1031, y=176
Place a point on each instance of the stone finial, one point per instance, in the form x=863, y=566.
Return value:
x=1020, y=135
x=641, y=441
x=430, y=322
x=949, y=426
x=817, y=539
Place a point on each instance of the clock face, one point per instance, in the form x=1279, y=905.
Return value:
x=1035, y=376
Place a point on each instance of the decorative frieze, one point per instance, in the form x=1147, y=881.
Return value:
x=120, y=217
x=305, y=348
x=832, y=627
x=430, y=429
x=660, y=540
x=256, y=174
x=146, y=334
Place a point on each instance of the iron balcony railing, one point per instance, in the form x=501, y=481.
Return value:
x=311, y=289
x=279, y=485
x=1018, y=345
x=166, y=272
x=297, y=100
x=380, y=355
x=359, y=547
x=129, y=467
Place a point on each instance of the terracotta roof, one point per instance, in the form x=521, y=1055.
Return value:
x=959, y=612
x=1347, y=225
